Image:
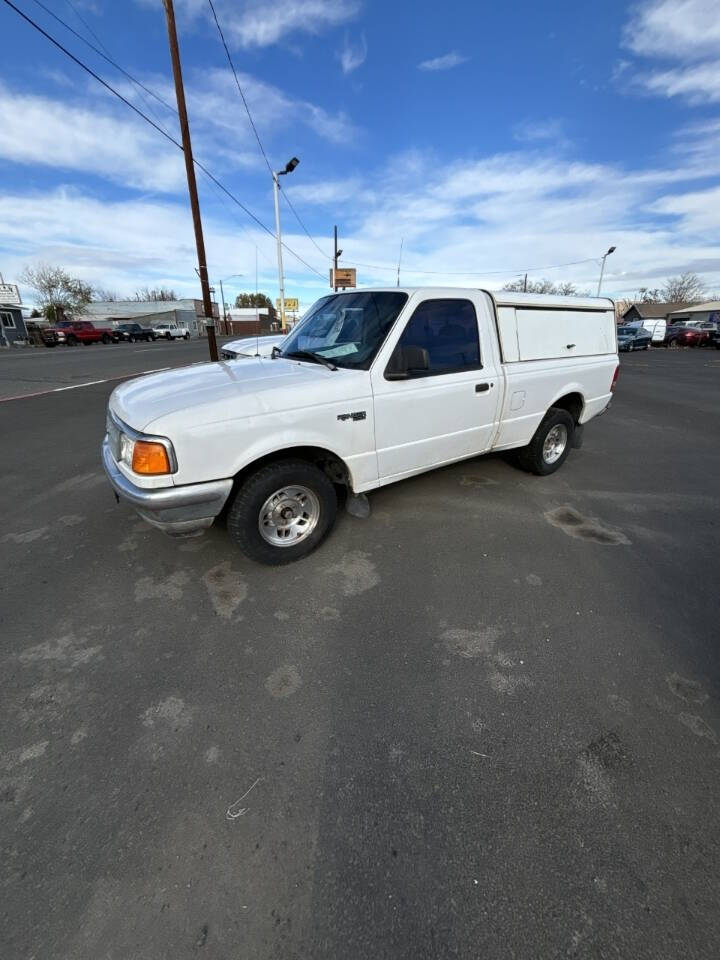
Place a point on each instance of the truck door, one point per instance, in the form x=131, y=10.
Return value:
x=436, y=388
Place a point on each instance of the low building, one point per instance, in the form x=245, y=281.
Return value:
x=246, y=321
x=708, y=312
x=150, y=313
x=12, y=324
x=640, y=312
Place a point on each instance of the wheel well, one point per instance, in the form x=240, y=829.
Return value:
x=573, y=403
x=329, y=462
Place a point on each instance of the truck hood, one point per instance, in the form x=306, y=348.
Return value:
x=246, y=387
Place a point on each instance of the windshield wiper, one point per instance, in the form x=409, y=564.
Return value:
x=309, y=355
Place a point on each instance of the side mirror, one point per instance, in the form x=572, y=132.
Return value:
x=407, y=362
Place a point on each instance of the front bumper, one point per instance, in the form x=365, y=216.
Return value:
x=174, y=510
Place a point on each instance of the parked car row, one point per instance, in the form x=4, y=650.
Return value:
x=638, y=336
x=74, y=332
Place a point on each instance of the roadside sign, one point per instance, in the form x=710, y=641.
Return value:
x=292, y=304
x=344, y=277
x=9, y=293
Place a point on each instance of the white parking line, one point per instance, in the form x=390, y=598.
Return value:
x=90, y=383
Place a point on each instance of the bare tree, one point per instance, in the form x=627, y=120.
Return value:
x=687, y=288
x=564, y=289
x=106, y=296
x=156, y=294
x=58, y=292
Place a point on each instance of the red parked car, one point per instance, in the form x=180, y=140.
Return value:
x=72, y=332
x=693, y=337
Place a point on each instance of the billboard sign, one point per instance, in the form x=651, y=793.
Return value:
x=344, y=277
x=292, y=304
x=9, y=293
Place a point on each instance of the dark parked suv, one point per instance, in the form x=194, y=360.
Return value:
x=133, y=331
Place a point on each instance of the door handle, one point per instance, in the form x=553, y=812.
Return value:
x=482, y=387
x=570, y=346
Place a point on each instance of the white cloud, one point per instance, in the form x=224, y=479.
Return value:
x=46, y=132
x=352, y=56
x=698, y=83
x=687, y=31
x=261, y=23
x=511, y=211
x=683, y=29
x=531, y=131
x=446, y=62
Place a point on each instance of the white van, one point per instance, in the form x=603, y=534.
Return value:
x=656, y=328
x=371, y=387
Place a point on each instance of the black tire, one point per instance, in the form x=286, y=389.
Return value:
x=186, y=337
x=531, y=457
x=71, y=341
x=168, y=336
x=244, y=512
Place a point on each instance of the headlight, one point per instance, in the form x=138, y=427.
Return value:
x=126, y=449
x=151, y=456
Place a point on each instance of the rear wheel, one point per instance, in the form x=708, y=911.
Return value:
x=282, y=512
x=186, y=336
x=72, y=341
x=548, y=449
x=168, y=336
x=106, y=338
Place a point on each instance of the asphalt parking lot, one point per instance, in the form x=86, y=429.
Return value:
x=482, y=722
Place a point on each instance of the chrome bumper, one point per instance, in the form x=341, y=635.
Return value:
x=174, y=510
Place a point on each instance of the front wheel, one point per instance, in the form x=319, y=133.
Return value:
x=72, y=341
x=168, y=336
x=282, y=512
x=186, y=336
x=106, y=338
x=550, y=446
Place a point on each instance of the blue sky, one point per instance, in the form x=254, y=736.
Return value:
x=489, y=137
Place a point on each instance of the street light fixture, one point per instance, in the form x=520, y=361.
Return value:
x=289, y=167
x=602, y=268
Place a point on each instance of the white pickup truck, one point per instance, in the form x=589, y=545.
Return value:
x=172, y=331
x=370, y=387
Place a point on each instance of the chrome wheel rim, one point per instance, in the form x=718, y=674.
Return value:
x=555, y=443
x=289, y=516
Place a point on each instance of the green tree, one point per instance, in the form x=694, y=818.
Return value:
x=247, y=300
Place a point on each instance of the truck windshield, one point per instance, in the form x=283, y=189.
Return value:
x=346, y=328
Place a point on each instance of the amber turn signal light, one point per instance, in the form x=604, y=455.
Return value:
x=150, y=457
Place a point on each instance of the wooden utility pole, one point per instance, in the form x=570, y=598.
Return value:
x=335, y=260
x=192, y=183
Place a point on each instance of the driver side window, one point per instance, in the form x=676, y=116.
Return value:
x=443, y=331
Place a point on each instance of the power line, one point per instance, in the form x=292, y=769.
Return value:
x=254, y=128
x=297, y=217
x=240, y=90
x=475, y=273
x=105, y=56
x=155, y=126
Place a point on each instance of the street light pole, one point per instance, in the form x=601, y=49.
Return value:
x=281, y=279
x=192, y=183
x=289, y=167
x=602, y=268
